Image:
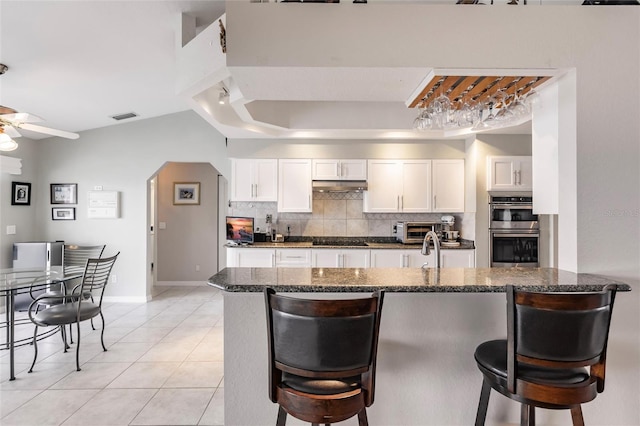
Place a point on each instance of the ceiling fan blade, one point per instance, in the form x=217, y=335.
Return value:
x=48, y=131
x=11, y=131
x=21, y=117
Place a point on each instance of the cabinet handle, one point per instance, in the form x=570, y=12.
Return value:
x=435, y=202
x=519, y=177
x=402, y=202
x=398, y=203
x=338, y=169
x=309, y=202
x=273, y=260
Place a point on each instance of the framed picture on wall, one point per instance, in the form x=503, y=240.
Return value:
x=64, y=193
x=63, y=213
x=20, y=193
x=187, y=193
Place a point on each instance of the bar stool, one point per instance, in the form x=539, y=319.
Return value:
x=322, y=356
x=551, y=339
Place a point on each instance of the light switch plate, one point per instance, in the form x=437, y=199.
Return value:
x=162, y=225
x=11, y=229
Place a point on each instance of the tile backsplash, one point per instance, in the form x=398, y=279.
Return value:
x=334, y=214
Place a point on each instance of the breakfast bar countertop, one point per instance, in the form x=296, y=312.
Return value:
x=407, y=280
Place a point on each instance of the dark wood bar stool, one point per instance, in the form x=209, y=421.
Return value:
x=322, y=356
x=551, y=339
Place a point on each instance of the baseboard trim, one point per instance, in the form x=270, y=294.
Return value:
x=181, y=283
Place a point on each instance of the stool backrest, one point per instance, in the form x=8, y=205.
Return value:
x=562, y=330
x=322, y=338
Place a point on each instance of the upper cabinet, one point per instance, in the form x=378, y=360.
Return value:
x=415, y=186
x=448, y=186
x=294, y=186
x=254, y=180
x=508, y=173
x=339, y=169
x=398, y=186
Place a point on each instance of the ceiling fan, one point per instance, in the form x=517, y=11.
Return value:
x=12, y=120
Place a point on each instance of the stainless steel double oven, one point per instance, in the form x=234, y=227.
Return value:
x=514, y=232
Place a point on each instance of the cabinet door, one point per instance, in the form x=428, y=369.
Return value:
x=265, y=179
x=353, y=169
x=525, y=174
x=458, y=258
x=387, y=258
x=448, y=186
x=384, y=187
x=326, y=169
x=416, y=186
x=241, y=180
x=250, y=257
x=415, y=259
x=294, y=186
x=501, y=174
x=325, y=258
x=355, y=258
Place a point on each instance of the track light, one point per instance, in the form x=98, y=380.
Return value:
x=6, y=143
x=223, y=97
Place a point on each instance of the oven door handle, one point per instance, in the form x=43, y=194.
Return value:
x=511, y=207
x=512, y=235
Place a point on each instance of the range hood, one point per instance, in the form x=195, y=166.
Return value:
x=339, y=185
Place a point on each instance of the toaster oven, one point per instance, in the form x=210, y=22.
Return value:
x=414, y=232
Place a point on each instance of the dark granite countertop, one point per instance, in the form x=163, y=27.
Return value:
x=406, y=280
x=370, y=244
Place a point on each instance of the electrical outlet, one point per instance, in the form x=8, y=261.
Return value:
x=197, y=268
x=11, y=229
x=114, y=279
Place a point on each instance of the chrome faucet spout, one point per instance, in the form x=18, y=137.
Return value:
x=432, y=236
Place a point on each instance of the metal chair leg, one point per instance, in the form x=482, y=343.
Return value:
x=78, y=349
x=35, y=348
x=483, y=404
x=102, y=333
x=527, y=415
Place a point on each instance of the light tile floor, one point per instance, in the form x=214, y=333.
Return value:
x=163, y=366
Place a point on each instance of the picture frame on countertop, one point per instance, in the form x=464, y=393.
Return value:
x=20, y=193
x=64, y=193
x=186, y=193
x=63, y=213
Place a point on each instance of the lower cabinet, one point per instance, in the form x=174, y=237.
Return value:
x=293, y=258
x=458, y=258
x=250, y=257
x=336, y=258
x=401, y=259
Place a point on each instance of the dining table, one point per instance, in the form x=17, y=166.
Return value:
x=15, y=281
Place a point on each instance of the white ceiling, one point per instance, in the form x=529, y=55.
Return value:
x=77, y=63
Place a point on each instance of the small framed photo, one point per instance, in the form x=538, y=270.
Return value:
x=186, y=193
x=20, y=194
x=64, y=193
x=63, y=213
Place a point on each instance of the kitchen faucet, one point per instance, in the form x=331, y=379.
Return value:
x=436, y=247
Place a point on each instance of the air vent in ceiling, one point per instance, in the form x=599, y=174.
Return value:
x=124, y=116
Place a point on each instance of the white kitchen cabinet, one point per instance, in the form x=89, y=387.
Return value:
x=509, y=173
x=460, y=258
x=328, y=169
x=448, y=186
x=293, y=258
x=250, y=257
x=294, y=186
x=340, y=258
x=391, y=258
x=398, y=186
x=254, y=180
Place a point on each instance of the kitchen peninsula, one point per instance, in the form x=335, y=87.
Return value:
x=432, y=321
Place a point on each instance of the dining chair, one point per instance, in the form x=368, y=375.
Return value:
x=76, y=308
x=322, y=356
x=551, y=339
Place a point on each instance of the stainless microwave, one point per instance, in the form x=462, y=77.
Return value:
x=414, y=232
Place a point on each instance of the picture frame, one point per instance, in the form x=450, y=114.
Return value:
x=20, y=193
x=186, y=193
x=64, y=193
x=63, y=213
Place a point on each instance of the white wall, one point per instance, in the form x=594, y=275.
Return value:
x=191, y=233
x=22, y=217
x=121, y=158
